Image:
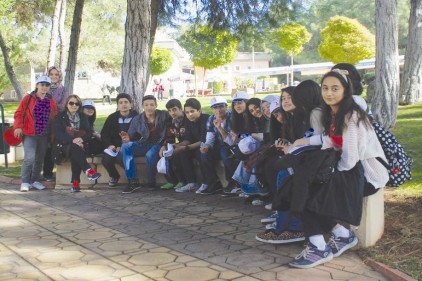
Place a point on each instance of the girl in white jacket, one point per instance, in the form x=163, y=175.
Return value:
x=348, y=130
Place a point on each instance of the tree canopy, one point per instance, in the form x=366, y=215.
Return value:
x=161, y=60
x=209, y=48
x=346, y=40
x=291, y=37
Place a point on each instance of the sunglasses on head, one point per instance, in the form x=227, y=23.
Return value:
x=71, y=103
x=45, y=84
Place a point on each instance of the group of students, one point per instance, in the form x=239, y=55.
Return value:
x=330, y=116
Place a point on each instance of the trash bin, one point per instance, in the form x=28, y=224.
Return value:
x=4, y=147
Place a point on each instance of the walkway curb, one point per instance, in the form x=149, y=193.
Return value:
x=393, y=274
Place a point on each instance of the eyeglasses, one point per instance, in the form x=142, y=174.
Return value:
x=71, y=103
x=45, y=84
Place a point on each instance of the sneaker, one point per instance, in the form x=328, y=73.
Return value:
x=311, y=257
x=75, y=186
x=186, y=188
x=38, y=185
x=113, y=181
x=271, y=225
x=131, y=187
x=92, y=174
x=178, y=185
x=211, y=189
x=270, y=218
x=201, y=188
x=254, y=190
x=340, y=244
x=25, y=187
x=167, y=185
x=269, y=207
x=49, y=178
x=231, y=191
x=270, y=236
x=243, y=195
x=258, y=202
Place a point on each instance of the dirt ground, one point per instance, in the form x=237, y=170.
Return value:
x=401, y=245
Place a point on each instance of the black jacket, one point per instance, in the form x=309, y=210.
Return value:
x=111, y=129
x=62, y=121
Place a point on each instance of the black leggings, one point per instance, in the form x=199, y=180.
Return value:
x=78, y=161
x=315, y=224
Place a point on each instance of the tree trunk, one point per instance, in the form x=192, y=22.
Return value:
x=9, y=68
x=140, y=28
x=411, y=85
x=385, y=101
x=73, y=46
x=203, y=81
x=62, y=35
x=51, y=60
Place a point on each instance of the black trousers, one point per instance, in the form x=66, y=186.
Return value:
x=175, y=173
x=269, y=177
x=48, y=162
x=315, y=224
x=78, y=162
x=187, y=158
x=109, y=164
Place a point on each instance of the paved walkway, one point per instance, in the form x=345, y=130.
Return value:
x=100, y=234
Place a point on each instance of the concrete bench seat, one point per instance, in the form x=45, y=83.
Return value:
x=63, y=172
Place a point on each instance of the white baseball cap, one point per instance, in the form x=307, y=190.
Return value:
x=274, y=106
x=44, y=79
x=88, y=103
x=241, y=95
x=271, y=98
x=248, y=145
x=218, y=101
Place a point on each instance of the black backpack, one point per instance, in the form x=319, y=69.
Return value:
x=399, y=163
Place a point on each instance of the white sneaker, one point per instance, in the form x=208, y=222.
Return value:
x=186, y=188
x=38, y=185
x=25, y=187
x=201, y=188
x=269, y=206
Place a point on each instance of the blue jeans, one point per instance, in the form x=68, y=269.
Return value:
x=133, y=149
x=34, y=148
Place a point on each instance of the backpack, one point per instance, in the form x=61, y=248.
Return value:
x=399, y=163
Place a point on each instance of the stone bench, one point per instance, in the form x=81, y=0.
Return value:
x=63, y=173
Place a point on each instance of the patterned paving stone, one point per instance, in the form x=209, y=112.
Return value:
x=101, y=235
x=192, y=274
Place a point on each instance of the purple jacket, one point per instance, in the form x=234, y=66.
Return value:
x=59, y=94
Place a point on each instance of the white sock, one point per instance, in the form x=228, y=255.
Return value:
x=340, y=231
x=318, y=241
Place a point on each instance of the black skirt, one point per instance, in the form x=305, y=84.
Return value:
x=341, y=198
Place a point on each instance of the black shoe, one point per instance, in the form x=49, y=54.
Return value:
x=113, y=182
x=232, y=190
x=49, y=178
x=131, y=187
x=211, y=189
